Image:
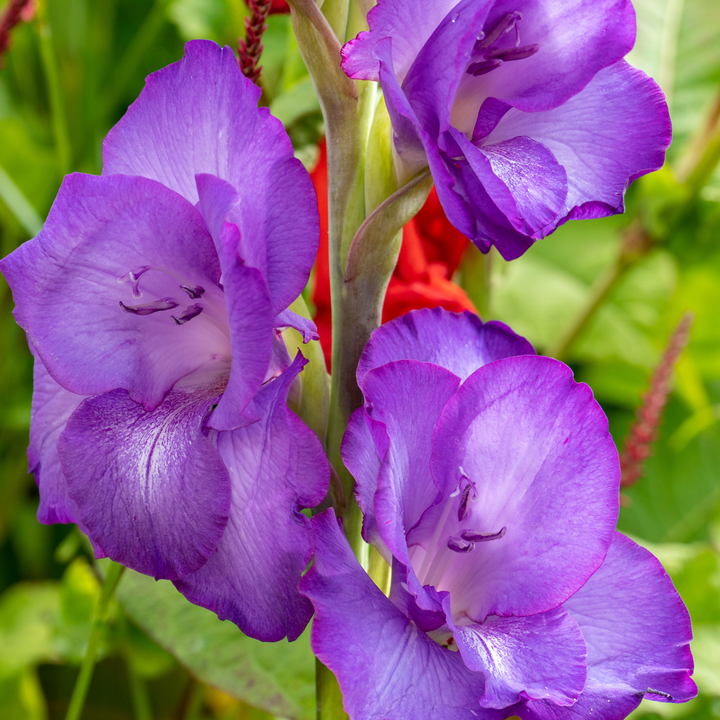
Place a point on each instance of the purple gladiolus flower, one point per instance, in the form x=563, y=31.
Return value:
x=524, y=110
x=151, y=300
x=489, y=481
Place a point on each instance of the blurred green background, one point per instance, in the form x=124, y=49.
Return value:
x=604, y=295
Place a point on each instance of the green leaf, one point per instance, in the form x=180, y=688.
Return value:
x=677, y=45
x=679, y=492
x=21, y=697
x=276, y=677
x=540, y=294
x=706, y=653
x=29, y=613
x=298, y=100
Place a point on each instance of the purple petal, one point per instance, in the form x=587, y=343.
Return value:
x=535, y=450
x=52, y=405
x=407, y=397
x=363, y=448
x=248, y=307
x=386, y=667
x=461, y=343
x=576, y=39
x=471, y=209
x=439, y=68
x=637, y=632
x=539, y=657
x=612, y=132
x=401, y=21
x=635, y=624
x=290, y=319
x=112, y=246
x=410, y=140
x=200, y=115
x=277, y=467
x=150, y=487
x=523, y=180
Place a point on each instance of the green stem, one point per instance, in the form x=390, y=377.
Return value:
x=140, y=696
x=347, y=109
x=52, y=77
x=329, y=697
x=195, y=699
x=99, y=624
x=477, y=278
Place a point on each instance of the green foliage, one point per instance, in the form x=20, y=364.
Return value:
x=277, y=677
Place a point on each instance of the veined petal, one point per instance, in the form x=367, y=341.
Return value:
x=523, y=179
x=472, y=210
x=541, y=468
x=277, y=467
x=461, y=343
x=249, y=308
x=52, y=406
x=290, y=319
x=386, y=667
x=539, y=656
x=200, y=115
x=575, y=38
x=439, y=68
x=363, y=448
x=407, y=397
x=611, y=133
x=150, y=487
x=401, y=21
x=97, y=289
x=637, y=632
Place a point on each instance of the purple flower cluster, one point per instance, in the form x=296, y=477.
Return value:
x=524, y=110
x=489, y=482
x=151, y=301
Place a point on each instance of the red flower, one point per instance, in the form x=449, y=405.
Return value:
x=431, y=253
x=277, y=7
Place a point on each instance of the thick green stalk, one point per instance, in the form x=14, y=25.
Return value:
x=347, y=109
x=52, y=77
x=99, y=624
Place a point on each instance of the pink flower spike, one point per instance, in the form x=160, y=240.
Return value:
x=643, y=432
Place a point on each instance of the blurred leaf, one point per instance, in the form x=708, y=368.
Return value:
x=540, y=294
x=706, y=652
x=277, y=677
x=21, y=697
x=28, y=617
x=677, y=45
x=680, y=490
x=298, y=100
x=147, y=659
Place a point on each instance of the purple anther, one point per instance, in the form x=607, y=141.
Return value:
x=483, y=67
x=188, y=314
x=509, y=54
x=505, y=24
x=464, y=500
x=149, y=308
x=194, y=291
x=459, y=545
x=476, y=537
